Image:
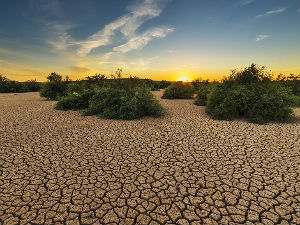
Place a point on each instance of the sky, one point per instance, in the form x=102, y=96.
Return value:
x=156, y=39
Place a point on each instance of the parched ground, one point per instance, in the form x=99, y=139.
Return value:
x=62, y=168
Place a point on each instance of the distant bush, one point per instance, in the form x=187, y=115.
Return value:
x=55, y=87
x=124, y=104
x=10, y=86
x=32, y=86
x=251, y=94
x=163, y=84
x=178, y=90
x=199, y=83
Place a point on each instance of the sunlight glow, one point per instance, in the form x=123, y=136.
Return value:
x=185, y=79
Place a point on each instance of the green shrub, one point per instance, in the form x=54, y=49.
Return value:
x=270, y=102
x=52, y=90
x=227, y=102
x=75, y=100
x=32, y=86
x=203, y=91
x=9, y=86
x=164, y=84
x=251, y=74
x=124, y=104
x=199, y=83
x=55, y=87
x=178, y=90
x=252, y=96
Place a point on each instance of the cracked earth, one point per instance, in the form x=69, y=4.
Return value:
x=59, y=167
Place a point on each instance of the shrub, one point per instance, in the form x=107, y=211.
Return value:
x=250, y=95
x=75, y=100
x=249, y=75
x=270, y=102
x=9, y=86
x=198, y=83
x=32, y=86
x=124, y=104
x=54, y=88
x=178, y=90
x=164, y=84
x=227, y=102
x=203, y=91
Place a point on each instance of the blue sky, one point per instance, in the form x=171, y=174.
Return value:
x=159, y=39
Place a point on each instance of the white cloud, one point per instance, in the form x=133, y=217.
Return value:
x=272, y=12
x=127, y=25
x=246, y=2
x=61, y=42
x=262, y=37
x=61, y=39
x=142, y=40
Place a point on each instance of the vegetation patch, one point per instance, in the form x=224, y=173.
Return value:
x=10, y=86
x=126, y=104
x=115, y=98
x=178, y=90
x=251, y=94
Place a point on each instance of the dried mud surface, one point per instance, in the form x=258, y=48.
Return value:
x=59, y=167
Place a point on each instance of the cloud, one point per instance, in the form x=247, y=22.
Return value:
x=142, y=40
x=298, y=10
x=61, y=42
x=61, y=39
x=127, y=25
x=262, y=37
x=272, y=12
x=80, y=69
x=246, y=2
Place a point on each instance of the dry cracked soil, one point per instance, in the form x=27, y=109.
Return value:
x=59, y=167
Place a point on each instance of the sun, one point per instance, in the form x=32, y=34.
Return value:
x=184, y=79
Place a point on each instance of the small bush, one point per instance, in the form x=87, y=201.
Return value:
x=178, y=90
x=9, y=86
x=203, y=91
x=164, y=84
x=75, y=101
x=54, y=88
x=124, y=104
x=199, y=83
x=32, y=86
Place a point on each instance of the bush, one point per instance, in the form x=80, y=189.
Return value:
x=9, y=86
x=55, y=87
x=203, y=91
x=226, y=102
x=251, y=95
x=32, y=86
x=124, y=104
x=178, y=90
x=164, y=84
x=198, y=83
x=270, y=102
x=251, y=74
x=75, y=100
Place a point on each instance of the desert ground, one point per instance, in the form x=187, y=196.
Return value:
x=58, y=167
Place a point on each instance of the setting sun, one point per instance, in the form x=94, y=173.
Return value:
x=184, y=79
